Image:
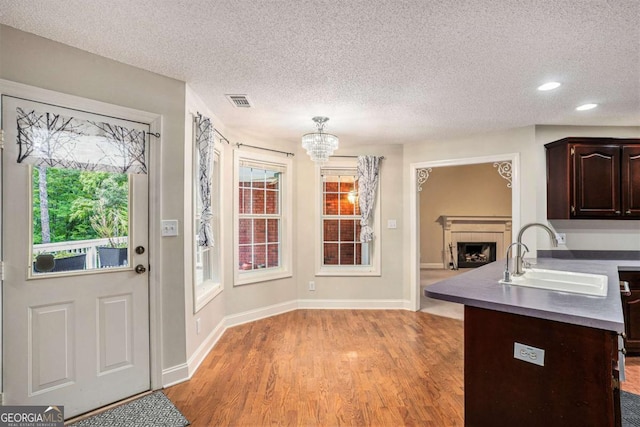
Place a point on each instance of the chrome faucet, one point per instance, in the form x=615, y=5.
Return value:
x=518, y=270
x=507, y=273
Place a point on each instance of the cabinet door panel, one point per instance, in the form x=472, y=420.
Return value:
x=631, y=181
x=596, y=181
x=631, y=309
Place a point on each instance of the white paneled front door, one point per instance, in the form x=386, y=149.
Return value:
x=76, y=337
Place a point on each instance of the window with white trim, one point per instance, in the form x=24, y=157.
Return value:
x=262, y=212
x=341, y=252
x=207, y=283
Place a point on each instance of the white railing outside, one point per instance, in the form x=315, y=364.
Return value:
x=88, y=247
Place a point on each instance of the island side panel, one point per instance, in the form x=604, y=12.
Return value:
x=573, y=388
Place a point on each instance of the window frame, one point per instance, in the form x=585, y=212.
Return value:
x=206, y=291
x=372, y=269
x=284, y=270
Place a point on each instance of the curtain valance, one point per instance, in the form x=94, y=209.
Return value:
x=53, y=140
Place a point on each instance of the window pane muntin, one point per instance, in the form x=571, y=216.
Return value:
x=272, y=201
x=245, y=231
x=273, y=255
x=259, y=256
x=273, y=230
x=347, y=230
x=273, y=182
x=347, y=207
x=347, y=254
x=331, y=186
x=331, y=254
x=259, y=231
x=244, y=199
x=245, y=257
x=331, y=228
x=346, y=184
x=331, y=202
x=257, y=201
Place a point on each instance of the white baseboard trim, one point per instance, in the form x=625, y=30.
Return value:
x=352, y=304
x=203, y=350
x=259, y=313
x=175, y=375
x=408, y=306
x=184, y=372
x=432, y=265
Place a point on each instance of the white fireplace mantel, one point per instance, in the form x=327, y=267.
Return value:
x=475, y=229
x=463, y=223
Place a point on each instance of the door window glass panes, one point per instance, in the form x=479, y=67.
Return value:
x=80, y=220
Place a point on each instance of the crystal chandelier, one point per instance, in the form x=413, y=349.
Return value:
x=319, y=145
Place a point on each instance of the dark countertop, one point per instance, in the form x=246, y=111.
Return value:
x=480, y=288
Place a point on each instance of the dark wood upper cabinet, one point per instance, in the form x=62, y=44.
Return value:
x=593, y=178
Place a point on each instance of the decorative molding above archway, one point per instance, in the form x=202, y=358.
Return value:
x=423, y=176
x=505, y=171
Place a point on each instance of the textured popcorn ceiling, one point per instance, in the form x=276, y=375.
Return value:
x=384, y=71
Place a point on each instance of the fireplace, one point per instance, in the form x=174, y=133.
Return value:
x=475, y=254
x=475, y=230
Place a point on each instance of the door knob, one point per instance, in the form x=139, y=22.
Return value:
x=140, y=269
x=139, y=250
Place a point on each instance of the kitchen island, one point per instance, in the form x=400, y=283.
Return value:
x=538, y=357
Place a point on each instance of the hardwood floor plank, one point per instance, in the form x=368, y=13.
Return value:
x=331, y=368
x=632, y=371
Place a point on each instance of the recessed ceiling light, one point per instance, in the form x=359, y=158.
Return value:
x=549, y=86
x=585, y=107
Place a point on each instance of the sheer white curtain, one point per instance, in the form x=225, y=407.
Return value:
x=57, y=141
x=204, y=144
x=368, y=171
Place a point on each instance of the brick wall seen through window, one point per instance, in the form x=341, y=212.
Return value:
x=259, y=219
x=341, y=222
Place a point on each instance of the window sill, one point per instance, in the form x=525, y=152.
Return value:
x=246, y=278
x=205, y=293
x=348, y=272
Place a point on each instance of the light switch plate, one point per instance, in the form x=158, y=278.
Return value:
x=391, y=223
x=169, y=227
x=529, y=354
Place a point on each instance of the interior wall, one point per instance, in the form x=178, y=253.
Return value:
x=43, y=63
x=469, y=190
x=331, y=291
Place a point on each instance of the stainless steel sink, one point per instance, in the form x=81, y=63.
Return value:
x=562, y=281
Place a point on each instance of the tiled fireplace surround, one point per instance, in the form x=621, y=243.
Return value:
x=475, y=229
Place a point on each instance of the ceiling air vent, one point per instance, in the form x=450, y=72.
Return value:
x=239, y=101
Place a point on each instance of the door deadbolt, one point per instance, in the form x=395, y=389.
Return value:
x=140, y=269
x=139, y=250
